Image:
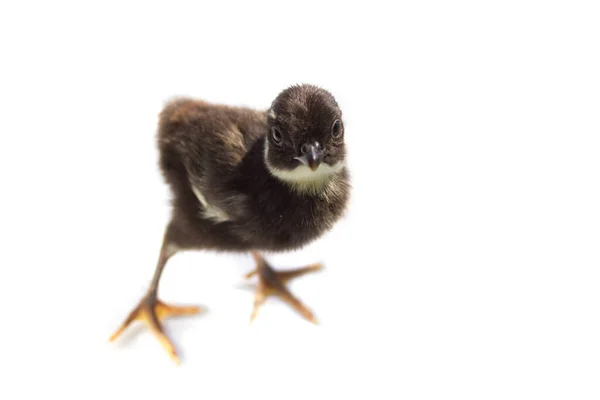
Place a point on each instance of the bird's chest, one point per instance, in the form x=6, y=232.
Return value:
x=294, y=222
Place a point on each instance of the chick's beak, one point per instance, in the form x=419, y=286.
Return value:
x=312, y=156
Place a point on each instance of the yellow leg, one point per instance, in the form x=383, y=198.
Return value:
x=152, y=311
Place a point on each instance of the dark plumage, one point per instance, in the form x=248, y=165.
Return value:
x=250, y=180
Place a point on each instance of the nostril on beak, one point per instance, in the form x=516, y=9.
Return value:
x=308, y=147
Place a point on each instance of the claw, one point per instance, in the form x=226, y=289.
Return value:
x=273, y=283
x=152, y=311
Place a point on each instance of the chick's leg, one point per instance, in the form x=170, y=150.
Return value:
x=271, y=282
x=152, y=311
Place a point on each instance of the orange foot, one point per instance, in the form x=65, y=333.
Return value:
x=272, y=282
x=152, y=311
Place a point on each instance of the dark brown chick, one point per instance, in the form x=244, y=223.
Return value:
x=246, y=180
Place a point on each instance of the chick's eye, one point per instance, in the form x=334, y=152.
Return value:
x=276, y=135
x=336, y=129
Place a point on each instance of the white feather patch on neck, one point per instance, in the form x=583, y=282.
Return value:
x=302, y=178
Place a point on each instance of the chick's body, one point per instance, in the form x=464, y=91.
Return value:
x=246, y=180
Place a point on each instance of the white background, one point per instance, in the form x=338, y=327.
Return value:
x=467, y=267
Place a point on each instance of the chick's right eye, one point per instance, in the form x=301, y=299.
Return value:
x=276, y=135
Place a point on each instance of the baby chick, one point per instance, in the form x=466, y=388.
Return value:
x=246, y=180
